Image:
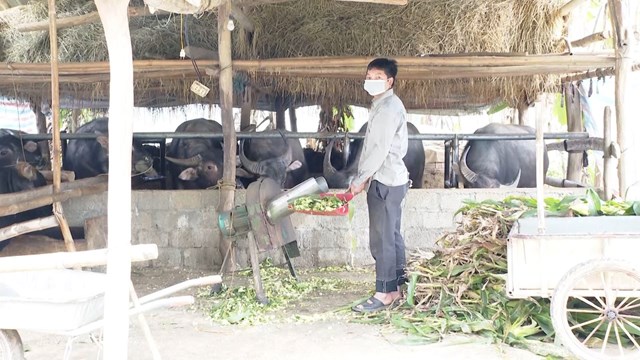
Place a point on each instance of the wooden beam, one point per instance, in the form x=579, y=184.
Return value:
x=242, y=18
x=385, y=2
x=183, y=6
x=568, y=7
x=27, y=227
x=627, y=128
x=228, y=186
x=71, y=21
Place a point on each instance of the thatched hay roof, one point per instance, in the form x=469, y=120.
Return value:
x=305, y=28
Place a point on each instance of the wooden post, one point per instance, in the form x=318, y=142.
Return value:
x=246, y=108
x=280, y=108
x=41, y=119
x=540, y=175
x=523, y=108
x=622, y=19
x=609, y=166
x=75, y=117
x=114, y=17
x=228, y=186
x=293, y=119
x=574, y=124
x=56, y=162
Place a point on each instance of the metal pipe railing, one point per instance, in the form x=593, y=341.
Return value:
x=156, y=136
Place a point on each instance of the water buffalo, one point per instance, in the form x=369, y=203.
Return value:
x=21, y=176
x=337, y=178
x=500, y=163
x=90, y=157
x=196, y=163
x=13, y=149
x=278, y=158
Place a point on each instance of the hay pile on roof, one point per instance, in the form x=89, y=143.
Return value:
x=329, y=28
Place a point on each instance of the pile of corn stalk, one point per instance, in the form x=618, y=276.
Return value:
x=460, y=286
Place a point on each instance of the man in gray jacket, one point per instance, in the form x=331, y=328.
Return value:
x=383, y=174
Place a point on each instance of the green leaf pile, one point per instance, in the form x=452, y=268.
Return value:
x=317, y=203
x=239, y=305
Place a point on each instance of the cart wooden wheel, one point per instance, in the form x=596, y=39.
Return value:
x=10, y=345
x=595, y=310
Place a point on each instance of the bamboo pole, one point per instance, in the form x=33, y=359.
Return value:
x=56, y=161
x=609, y=166
x=592, y=61
x=623, y=22
x=113, y=14
x=228, y=186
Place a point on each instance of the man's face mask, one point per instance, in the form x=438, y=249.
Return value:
x=375, y=87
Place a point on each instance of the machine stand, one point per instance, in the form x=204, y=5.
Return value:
x=255, y=266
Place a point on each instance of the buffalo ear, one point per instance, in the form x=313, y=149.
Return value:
x=188, y=174
x=30, y=146
x=294, y=165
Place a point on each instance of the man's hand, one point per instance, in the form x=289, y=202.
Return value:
x=356, y=189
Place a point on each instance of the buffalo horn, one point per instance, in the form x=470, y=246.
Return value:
x=250, y=165
x=192, y=161
x=467, y=173
x=327, y=167
x=514, y=184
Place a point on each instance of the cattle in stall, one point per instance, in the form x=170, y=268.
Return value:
x=14, y=148
x=500, y=163
x=337, y=178
x=196, y=163
x=277, y=158
x=20, y=176
x=90, y=157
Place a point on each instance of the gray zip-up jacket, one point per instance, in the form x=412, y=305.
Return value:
x=385, y=143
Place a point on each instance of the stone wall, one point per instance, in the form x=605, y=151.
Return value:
x=184, y=225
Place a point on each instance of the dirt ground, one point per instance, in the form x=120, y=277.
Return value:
x=188, y=333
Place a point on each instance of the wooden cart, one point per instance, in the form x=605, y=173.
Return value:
x=589, y=267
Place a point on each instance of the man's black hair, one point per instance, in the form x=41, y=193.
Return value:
x=389, y=66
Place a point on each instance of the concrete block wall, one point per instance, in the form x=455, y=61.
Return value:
x=184, y=225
